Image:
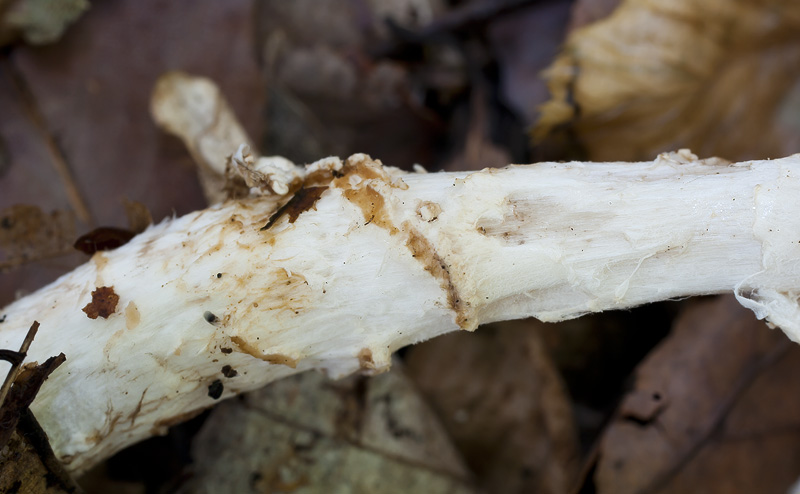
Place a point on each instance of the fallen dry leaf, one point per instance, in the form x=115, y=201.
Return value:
x=27, y=234
x=75, y=119
x=713, y=409
x=94, y=96
x=717, y=76
x=307, y=434
x=502, y=401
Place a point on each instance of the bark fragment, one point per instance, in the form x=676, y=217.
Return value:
x=103, y=304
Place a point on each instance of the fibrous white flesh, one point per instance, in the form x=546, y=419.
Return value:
x=385, y=259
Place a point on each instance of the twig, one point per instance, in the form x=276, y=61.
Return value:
x=16, y=358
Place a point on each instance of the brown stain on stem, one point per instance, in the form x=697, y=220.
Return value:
x=138, y=408
x=272, y=358
x=373, y=207
x=365, y=360
x=423, y=251
x=132, y=316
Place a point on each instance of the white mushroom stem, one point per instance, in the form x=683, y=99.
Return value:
x=384, y=259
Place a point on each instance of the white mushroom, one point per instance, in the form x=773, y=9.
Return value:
x=365, y=259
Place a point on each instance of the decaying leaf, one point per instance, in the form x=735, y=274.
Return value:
x=28, y=465
x=28, y=234
x=502, y=401
x=38, y=21
x=718, y=76
x=713, y=409
x=307, y=434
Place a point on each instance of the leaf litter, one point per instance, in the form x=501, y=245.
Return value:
x=412, y=105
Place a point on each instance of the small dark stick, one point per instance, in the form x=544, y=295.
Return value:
x=17, y=361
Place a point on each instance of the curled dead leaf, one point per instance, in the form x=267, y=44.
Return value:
x=719, y=76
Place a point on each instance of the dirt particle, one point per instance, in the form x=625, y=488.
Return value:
x=229, y=371
x=215, y=389
x=210, y=317
x=219, y=275
x=103, y=304
x=226, y=351
x=365, y=360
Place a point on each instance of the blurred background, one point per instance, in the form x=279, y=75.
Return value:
x=682, y=396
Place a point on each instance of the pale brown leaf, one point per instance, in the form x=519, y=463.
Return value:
x=716, y=76
x=504, y=404
x=713, y=409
